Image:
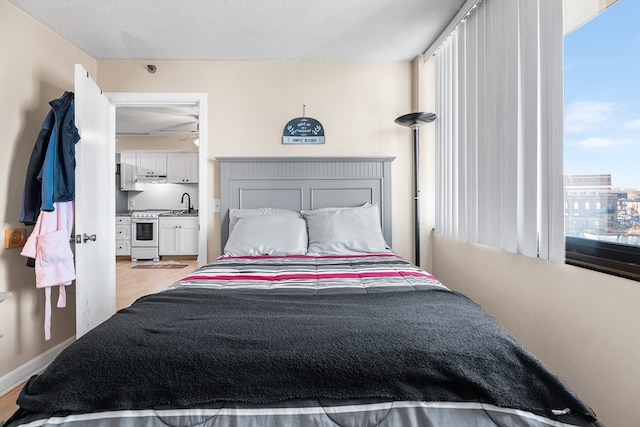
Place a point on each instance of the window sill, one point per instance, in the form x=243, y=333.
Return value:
x=616, y=259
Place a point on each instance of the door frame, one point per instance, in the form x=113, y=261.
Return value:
x=148, y=99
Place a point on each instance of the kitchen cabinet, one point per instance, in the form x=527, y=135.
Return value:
x=128, y=170
x=151, y=163
x=182, y=167
x=123, y=235
x=178, y=235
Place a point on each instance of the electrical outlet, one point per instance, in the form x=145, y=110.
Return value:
x=216, y=205
x=15, y=238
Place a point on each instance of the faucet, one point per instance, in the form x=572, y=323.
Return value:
x=188, y=201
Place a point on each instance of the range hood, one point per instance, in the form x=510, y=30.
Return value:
x=151, y=179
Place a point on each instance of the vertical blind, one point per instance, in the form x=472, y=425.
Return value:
x=499, y=132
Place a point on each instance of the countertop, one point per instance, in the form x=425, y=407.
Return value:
x=169, y=213
x=180, y=213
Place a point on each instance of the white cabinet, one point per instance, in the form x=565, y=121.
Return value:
x=178, y=235
x=182, y=167
x=151, y=163
x=123, y=235
x=178, y=167
x=128, y=169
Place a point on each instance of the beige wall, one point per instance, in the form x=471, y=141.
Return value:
x=584, y=325
x=249, y=104
x=36, y=67
x=425, y=100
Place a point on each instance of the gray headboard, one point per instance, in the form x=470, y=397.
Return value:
x=303, y=183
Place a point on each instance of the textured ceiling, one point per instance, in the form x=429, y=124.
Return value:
x=244, y=30
x=247, y=30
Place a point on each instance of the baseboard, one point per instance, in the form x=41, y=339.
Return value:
x=21, y=374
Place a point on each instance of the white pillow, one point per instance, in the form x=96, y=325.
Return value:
x=236, y=214
x=345, y=231
x=267, y=235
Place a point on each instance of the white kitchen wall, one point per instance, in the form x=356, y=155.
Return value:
x=163, y=196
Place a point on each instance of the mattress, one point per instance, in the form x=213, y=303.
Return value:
x=300, y=340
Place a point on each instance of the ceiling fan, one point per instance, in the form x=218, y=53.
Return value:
x=157, y=121
x=181, y=128
x=194, y=137
x=192, y=134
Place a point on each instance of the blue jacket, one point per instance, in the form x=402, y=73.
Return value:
x=51, y=170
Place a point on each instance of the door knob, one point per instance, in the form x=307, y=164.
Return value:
x=86, y=237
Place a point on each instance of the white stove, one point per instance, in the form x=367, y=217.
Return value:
x=144, y=234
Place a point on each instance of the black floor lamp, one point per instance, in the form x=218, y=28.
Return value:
x=414, y=121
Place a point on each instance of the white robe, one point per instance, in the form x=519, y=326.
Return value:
x=49, y=245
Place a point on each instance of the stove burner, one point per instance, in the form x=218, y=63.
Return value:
x=150, y=213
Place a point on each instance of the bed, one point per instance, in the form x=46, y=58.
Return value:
x=308, y=319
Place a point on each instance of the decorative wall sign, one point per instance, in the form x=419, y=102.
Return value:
x=303, y=130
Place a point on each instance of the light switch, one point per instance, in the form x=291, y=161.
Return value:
x=216, y=205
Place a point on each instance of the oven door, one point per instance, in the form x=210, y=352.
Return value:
x=144, y=232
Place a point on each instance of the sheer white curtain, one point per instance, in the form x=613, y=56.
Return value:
x=499, y=128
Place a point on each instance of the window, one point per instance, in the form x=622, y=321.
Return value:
x=602, y=134
x=499, y=135
x=503, y=143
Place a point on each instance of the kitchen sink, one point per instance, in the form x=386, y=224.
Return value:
x=181, y=212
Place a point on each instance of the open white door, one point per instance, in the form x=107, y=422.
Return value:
x=95, y=205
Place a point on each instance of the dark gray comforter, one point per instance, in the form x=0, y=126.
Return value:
x=190, y=346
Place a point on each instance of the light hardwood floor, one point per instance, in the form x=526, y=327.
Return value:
x=132, y=283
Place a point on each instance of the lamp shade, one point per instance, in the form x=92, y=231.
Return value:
x=415, y=120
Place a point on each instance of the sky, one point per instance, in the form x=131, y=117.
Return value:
x=602, y=96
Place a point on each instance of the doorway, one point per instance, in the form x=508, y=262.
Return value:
x=174, y=104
